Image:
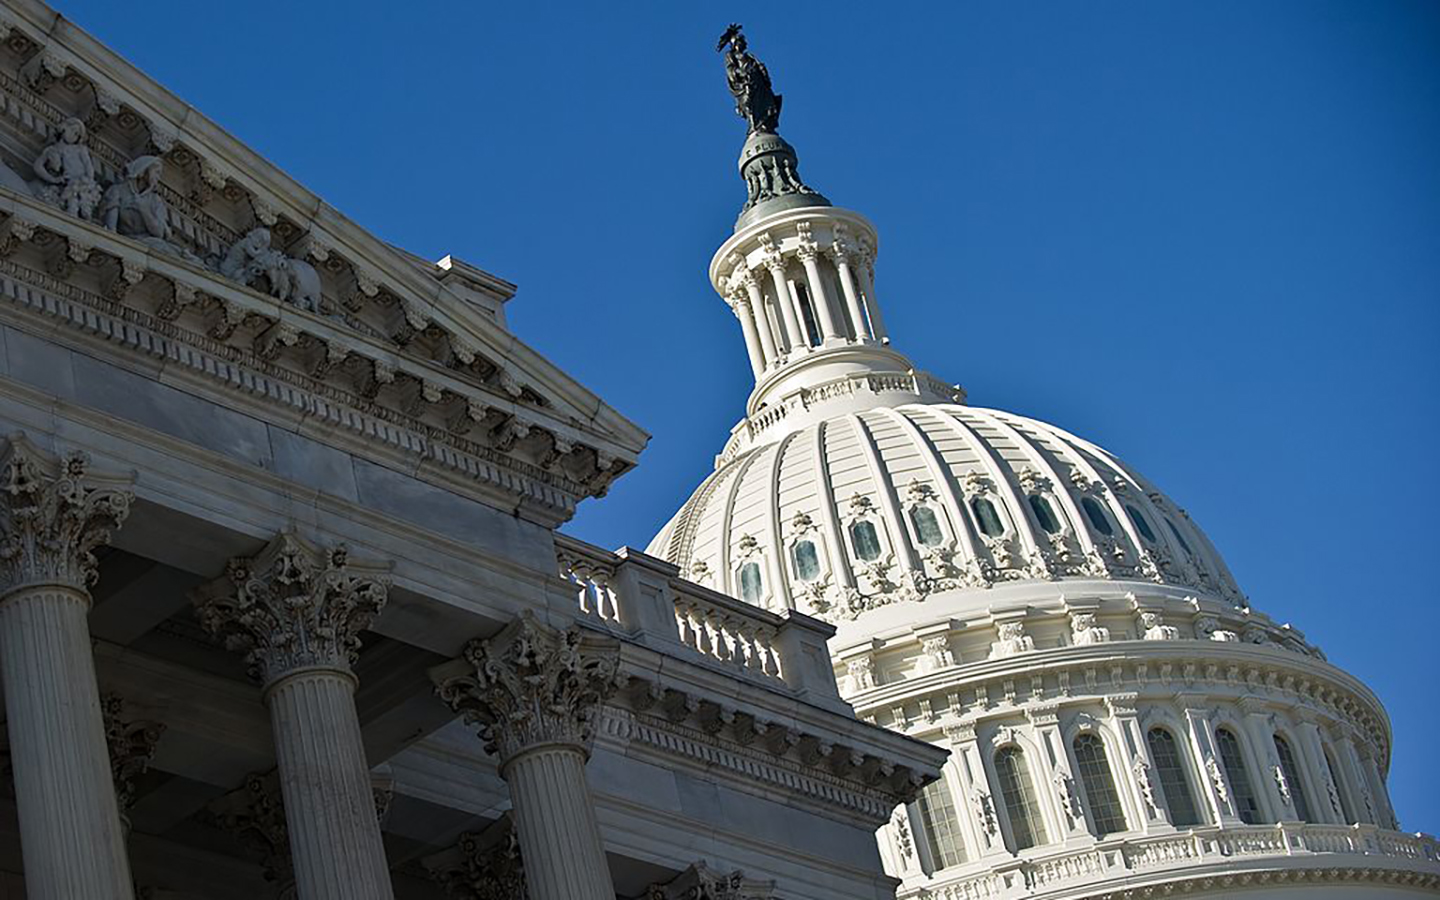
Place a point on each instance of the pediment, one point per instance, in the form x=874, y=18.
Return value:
x=185, y=227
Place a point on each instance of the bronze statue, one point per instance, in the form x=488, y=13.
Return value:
x=755, y=101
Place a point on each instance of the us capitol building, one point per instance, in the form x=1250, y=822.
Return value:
x=284, y=611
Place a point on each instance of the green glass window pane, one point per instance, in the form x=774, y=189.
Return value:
x=1017, y=794
x=807, y=560
x=1095, y=776
x=1170, y=772
x=988, y=517
x=1292, y=779
x=940, y=827
x=1141, y=523
x=866, y=540
x=1096, y=515
x=1233, y=762
x=1044, y=514
x=1179, y=537
x=752, y=586
x=927, y=526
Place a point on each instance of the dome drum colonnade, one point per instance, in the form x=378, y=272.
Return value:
x=1116, y=711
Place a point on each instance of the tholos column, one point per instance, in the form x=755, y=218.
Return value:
x=867, y=282
x=861, y=327
x=794, y=335
x=819, y=295
x=53, y=517
x=297, y=611
x=741, y=305
x=762, y=319
x=534, y=692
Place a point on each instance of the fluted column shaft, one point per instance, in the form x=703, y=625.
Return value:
x=746, y=316
x=762, y=322
x=325, y=782
x=298, y=610
x=795, y=336
x=71, y=838
x=867, y=282
x=819, y=294
x=860, y=327
x=556, y=826
x=1213, y=783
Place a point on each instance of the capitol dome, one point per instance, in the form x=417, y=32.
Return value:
x=1121, y=721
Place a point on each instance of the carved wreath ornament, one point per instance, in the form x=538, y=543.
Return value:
x=530, y=685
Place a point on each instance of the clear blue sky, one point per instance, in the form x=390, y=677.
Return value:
x=1205, y=235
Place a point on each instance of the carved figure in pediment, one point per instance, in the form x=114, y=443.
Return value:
x=290, y=280
x=134, y=208
x=67, y=172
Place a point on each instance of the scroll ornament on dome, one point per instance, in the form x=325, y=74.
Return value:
x=53, y=515
x=531, y=684
x=295, y=605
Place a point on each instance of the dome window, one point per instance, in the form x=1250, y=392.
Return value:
x=1233, y=762
x=939, y=824
x=1097, y=516
x=866, y=540
x=1141, y=523
x=1044, y=514
x=927, y=526
x=752, y=584
x=988, y=517
x=1185, y=545
x=1017, y=793
x=806, y=559
x=1175, y=788
x=1099, y=783
x=1292, y=779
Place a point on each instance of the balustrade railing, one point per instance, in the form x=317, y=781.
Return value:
x=1198, y=848
x=639, y=595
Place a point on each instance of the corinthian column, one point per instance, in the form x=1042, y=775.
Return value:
x=534, y=693
x=52, y=517
x=297, y=612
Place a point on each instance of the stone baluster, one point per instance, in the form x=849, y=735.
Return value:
x=534, y=692
x=794, y=335
x=1213, y=782
x=53, y=514
x=763, y=326
x=297, y=611
x=819, y=294
x=859, y=325
x=741, y=305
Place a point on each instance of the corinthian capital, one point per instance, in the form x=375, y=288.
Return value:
x=483, y=865
x=53, y=514
x=530, y=684
x=294, y=606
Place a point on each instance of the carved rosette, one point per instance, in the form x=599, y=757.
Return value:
x=530, y=685
x=53, y=514
x=294, y=606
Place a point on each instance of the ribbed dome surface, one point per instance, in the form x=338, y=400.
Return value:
x=899, y=504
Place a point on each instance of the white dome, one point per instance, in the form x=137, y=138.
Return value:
x=896, y=504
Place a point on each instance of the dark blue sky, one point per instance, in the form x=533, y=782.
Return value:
x=1205, y=235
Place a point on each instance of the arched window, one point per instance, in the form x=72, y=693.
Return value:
x=939, y=827
x=988, y=517
x=1017, y=793
x=1292, y=779
x=1099, y=784
x=927, y=526
x=1170, y=772
x=1096, y=515
x=1346, y=810
x=1184, y=544
x=1141, y=523
x=1241, y=791
x=866, y=540
x=806, y=559
x=752, y=585
x=1044, y=514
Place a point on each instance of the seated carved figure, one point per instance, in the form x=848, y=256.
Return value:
x=134, y=208
x=68, y=172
